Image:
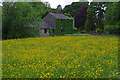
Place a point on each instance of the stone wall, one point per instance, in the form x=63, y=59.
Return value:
x=42, y=33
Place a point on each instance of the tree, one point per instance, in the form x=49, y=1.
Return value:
x=58, y=10
x=69, y=15
x=47, y=4
x=41, y=8
x=112, y=14
x=59, y=7
x=80, y=17
x=78, y=12
x=74, y=7
x=112, y=18
x=95, y=13
x=19, y=17
x=0, y=22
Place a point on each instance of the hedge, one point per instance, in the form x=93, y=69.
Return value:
x=112, y=29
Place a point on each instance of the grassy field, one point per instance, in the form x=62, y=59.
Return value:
x=60, y=57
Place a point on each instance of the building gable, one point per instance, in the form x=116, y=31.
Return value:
x=50, y=20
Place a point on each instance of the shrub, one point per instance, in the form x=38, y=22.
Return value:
x=83, y=31
x=118, y=24
x=112, y=29
x=98, y=30
x=74, y=28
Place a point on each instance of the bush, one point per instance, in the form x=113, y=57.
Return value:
x=74, y=28
x=118, y=24
x=98, y=30
x=112, y=29
x=83, y=31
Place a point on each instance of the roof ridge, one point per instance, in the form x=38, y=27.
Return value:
x=58, y=15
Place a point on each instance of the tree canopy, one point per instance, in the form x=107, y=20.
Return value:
x=80, y=17
x=74, y=7
x=78, y=12
x=112, y=14
x=112, y=18
x=95, y=16
x=17, y=19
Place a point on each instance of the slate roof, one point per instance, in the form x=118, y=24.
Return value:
x=49, y=21
x=56, y=15
x=46, y=25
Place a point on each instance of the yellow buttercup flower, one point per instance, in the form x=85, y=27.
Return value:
x=60, y=56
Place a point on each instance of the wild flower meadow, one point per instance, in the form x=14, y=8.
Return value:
x=60, y=57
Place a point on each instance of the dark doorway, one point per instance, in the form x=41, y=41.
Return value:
x=62, y=30
x=53, y=30
x=45, y=30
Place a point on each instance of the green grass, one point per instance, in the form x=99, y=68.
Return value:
x=77, y=34
x=61, y=57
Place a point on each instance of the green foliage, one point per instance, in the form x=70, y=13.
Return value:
x=112, y=18
x=69, y=15
x=57, y=11
x=19, y=17
x=74, y=28
x=74, y=7
x=112, y=29
x=59, y=7
x=64, y=26
x=41, y=8
x=118, y=23
x=0, y=23
x=51, y=32
x=98, y=30
x=58, y=27
x=47, y=4
x=100, y=25
x=95, y=13
x=89, y=26
x=112, y=14
x=81, y=56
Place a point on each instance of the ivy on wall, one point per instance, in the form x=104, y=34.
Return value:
x=58, y=27
x=51, y=32
x=63, y=26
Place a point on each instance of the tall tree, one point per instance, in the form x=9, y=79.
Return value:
x=112, y=14
x=58, y=10
x=47, y=4
x=95, y=14
x=17, y=19
x=74, y=7
x=80, y=17
x=112, y=18
x=78, y=12
x=59, y=7
x=41, y=8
